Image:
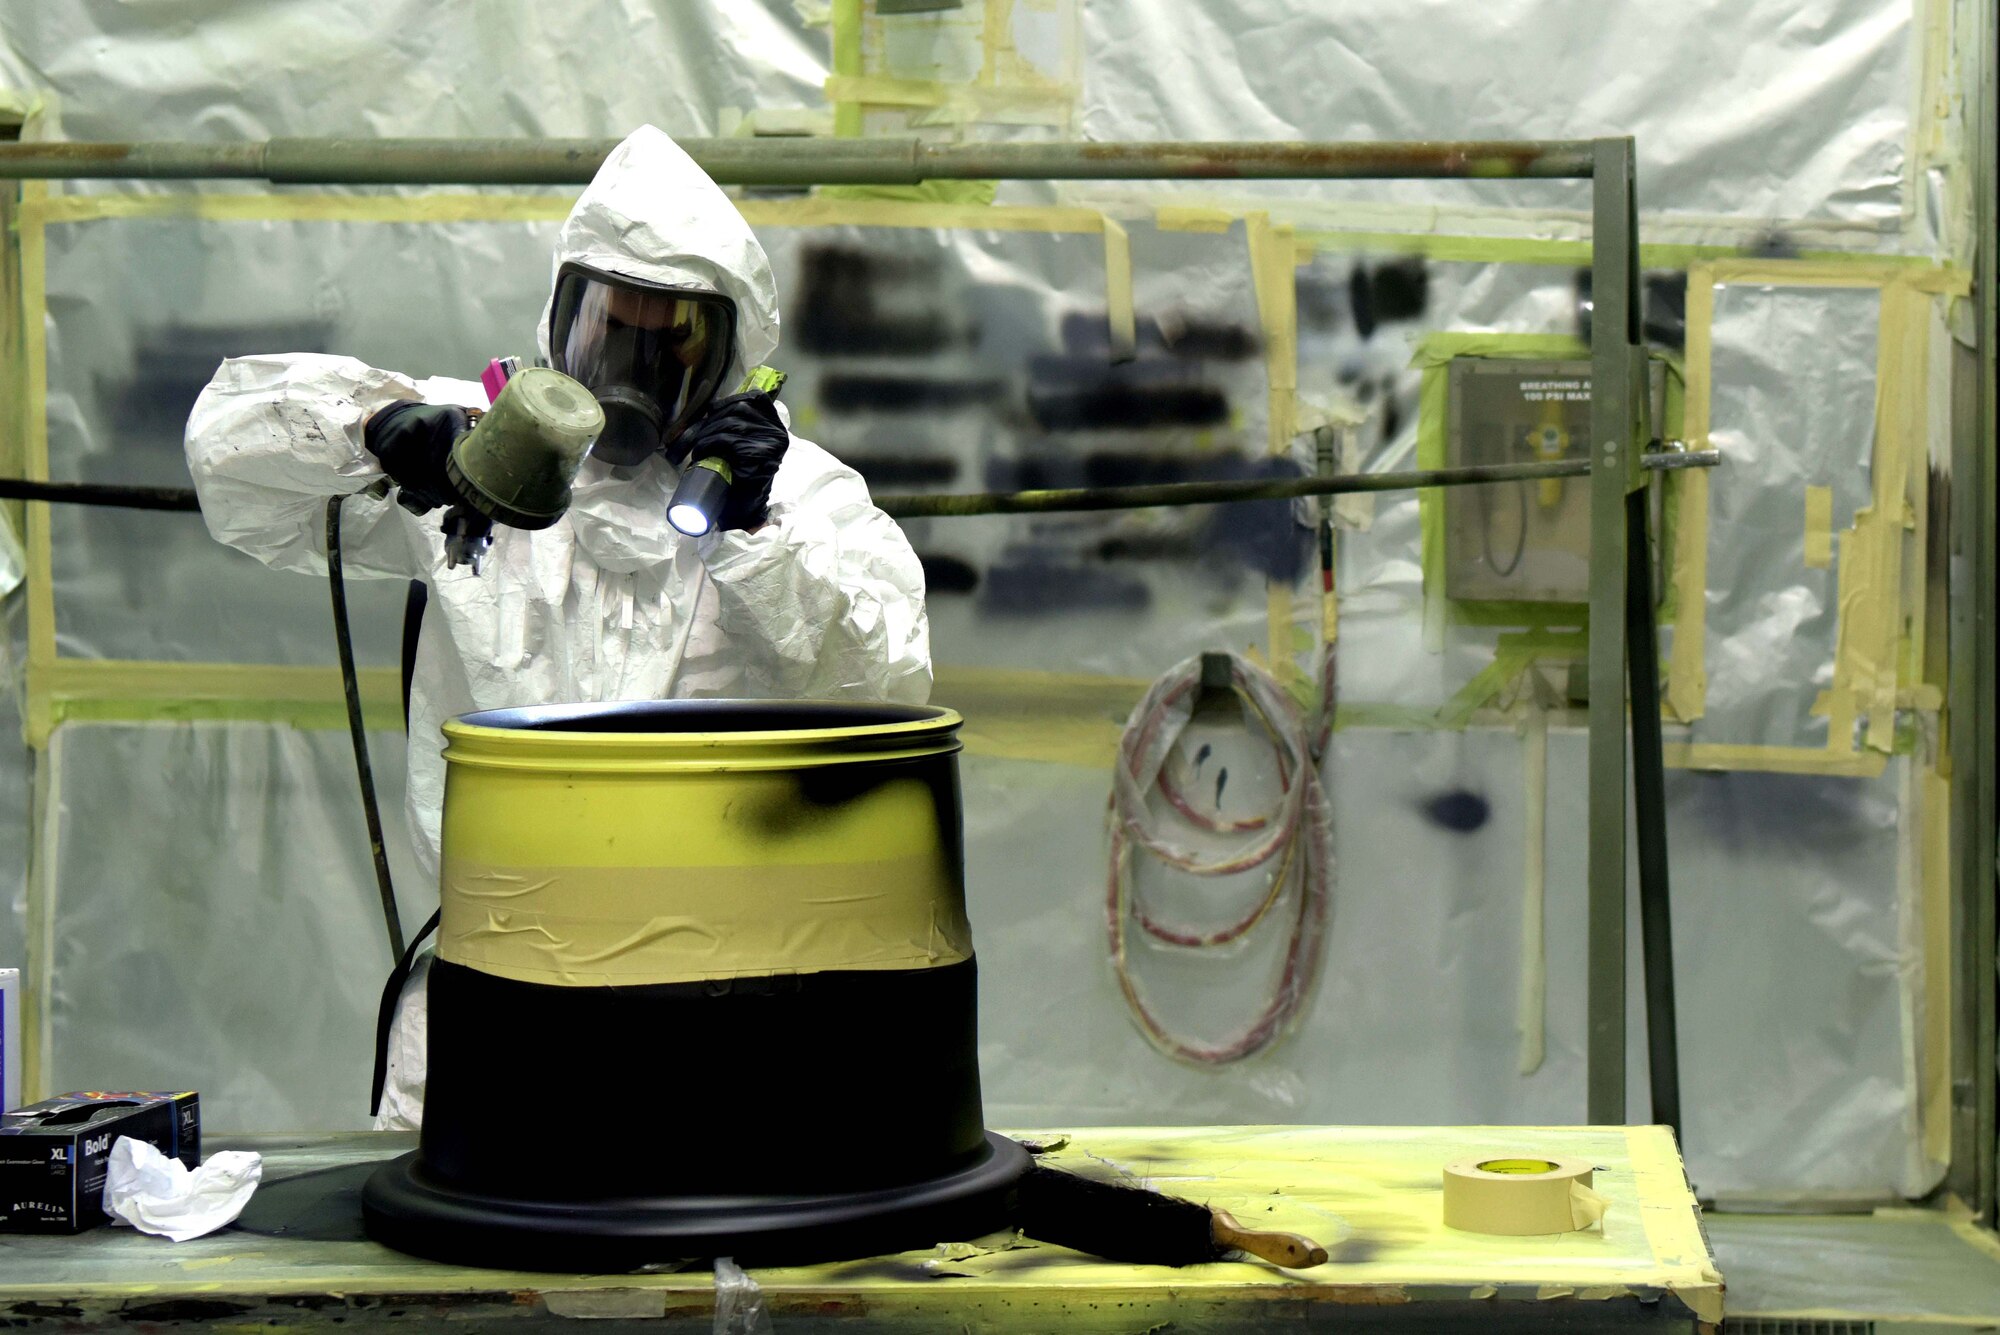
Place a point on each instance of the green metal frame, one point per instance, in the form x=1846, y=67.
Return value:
x=1973, y=586
x=1617, y=357
x=1615, y=352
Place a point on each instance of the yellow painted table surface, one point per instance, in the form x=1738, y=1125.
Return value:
x=1371, y=1195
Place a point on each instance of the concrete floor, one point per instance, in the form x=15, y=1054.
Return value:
x=1900, y=1269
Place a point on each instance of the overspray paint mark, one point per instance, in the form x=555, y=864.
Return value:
x=1355, y=1251
x=947, y=574
x=903, y=393
x=1264, y=536
x=1662, y=306
x=172, y=362
x=1073, y=393
x=1775, y=245
x=1392, y=412
x=1039, y=587
x=1153, y=547
x=1459, y=810
x=1385, y=293
x=1115, y=468
x=1666, y=310
x=1122, y=407
x=903, y=470
x=1087, y=333
x=1322, y=303
x=855, y=302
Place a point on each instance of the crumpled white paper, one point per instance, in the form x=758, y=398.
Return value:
x=739, y=1302
x=155, y=1194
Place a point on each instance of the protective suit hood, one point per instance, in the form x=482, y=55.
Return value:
x=652, y=215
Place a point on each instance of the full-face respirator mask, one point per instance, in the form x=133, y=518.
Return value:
x=652, y=357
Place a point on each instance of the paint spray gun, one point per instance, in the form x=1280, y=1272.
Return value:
x=704, y=484
x=517, y=463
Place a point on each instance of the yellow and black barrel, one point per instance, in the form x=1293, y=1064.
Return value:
x=704, y=986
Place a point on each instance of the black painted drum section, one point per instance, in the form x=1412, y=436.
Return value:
x=799, y=1083
x=790, y=1118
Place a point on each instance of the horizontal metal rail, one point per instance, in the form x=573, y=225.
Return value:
x=918, y=505
x=791, y=161
x=93, y=493
x=902, y=505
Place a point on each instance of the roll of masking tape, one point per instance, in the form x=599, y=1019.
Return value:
x=1520, y=1196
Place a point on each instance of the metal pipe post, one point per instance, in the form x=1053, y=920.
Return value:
x=1981, y=889
x=1614, y=289
x=793, y=161
x=1649, y=803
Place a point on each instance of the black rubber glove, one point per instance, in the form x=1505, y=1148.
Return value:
x=745, y=432
x=412, y=440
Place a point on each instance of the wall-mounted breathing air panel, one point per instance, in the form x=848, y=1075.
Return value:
x=1520, y=541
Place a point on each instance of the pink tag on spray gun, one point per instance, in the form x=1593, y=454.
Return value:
x=496, y=375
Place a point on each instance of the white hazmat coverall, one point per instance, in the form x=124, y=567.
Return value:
x=825, y=601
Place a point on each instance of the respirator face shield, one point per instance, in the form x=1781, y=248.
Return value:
x=652, y=356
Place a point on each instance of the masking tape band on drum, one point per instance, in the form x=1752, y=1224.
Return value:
x=605, y=926
x=1520, y=1196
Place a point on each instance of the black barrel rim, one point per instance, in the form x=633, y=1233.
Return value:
x=404, y=1208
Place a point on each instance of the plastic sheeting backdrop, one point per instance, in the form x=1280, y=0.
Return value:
x=203, y=913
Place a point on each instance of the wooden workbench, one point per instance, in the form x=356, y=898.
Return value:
x=297, y=1258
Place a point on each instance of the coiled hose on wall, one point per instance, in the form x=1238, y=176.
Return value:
x=1295, y=835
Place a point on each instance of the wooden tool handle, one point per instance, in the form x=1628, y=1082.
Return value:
x=1290, y=1250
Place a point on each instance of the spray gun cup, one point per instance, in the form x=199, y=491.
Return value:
x=516, y=465
x=474, y=497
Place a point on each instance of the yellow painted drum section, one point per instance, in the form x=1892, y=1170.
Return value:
x=585, y=858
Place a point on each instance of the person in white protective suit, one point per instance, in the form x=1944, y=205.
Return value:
x=662, y=296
